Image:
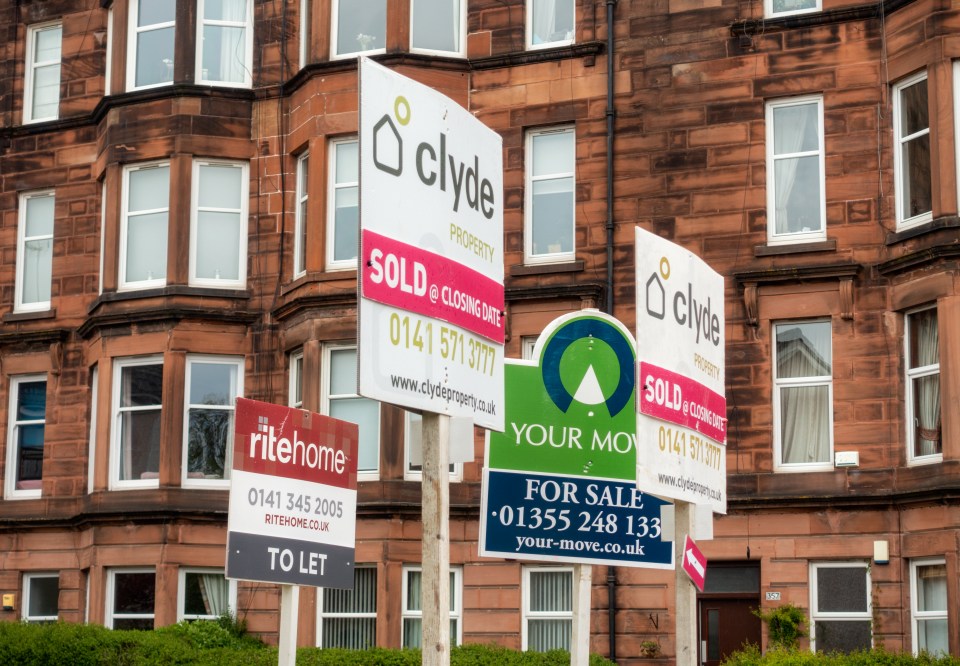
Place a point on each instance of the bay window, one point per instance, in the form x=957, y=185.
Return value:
x=144, y=226
x=150, y=52
x=204, y=594
x=225, y=41
x=212, y=387
x=342, y=402
x=803, y=396
x=218, y=238
x=911, y=156
x=131, y=598
x=922, y=342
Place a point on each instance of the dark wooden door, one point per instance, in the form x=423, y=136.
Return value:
x=725, y=625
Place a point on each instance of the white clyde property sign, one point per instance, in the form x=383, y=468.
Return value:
x=431, y=327
x=682, y=419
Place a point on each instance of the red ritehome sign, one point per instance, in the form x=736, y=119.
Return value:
x=293, y=497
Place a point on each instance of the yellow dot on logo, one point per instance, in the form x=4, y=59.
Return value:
x=665, y=268
x=401, y=103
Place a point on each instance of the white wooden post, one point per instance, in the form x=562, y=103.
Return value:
x=435, y=579
x=686, y=611
x=289, y=613
x=580, y=641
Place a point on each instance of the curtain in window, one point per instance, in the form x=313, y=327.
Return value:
x=932, y=597
x=225, y=46
x=550, y=592
x=926, y=389
x=552, y=21
x=797, y=181
x=350, y=619
x=37, y=250
x=803, y=351
x=214, y=588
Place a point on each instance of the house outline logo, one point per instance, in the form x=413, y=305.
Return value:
x=383, y=158
x=574, y=331
x=656, y=294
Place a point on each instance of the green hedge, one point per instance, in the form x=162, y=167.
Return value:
x=751, y=657
x=219, y=644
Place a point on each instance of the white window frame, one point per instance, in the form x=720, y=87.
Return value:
x=322, y=614
x=528, y=615
x=247, y=26
x=769, y=13
x=326, y=397
x=103, y=235
x=528, y=345
x=108, y=612
x=92, y=434
x=28, y=579
x=815, y=614
x=13, y=440
x=796, y=382
x=456, y=605
x=241, y=211
x=238, y=364
x=546, y=45
x=528, y=250
x=334, y=23
x=412, y=441
x=134, y=31
x=182, y=592
x=31, y=66
x=306, y=9
x=295, y=386
x=122, y=283
x=898, y=142
x=916, y=615
x=116, y=483
x=774, y=238
x=461, y=32
x=332, y=187
x=108, y=65
x=912, y=374
x=22, y=240
x=300, y=226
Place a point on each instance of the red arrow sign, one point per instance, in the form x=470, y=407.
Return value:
x=694, y=563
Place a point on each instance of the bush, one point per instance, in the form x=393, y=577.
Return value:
x=221, y=642
x=750, y=656
x=784, y=624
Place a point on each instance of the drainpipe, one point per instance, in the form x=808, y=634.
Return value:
x=611, y=114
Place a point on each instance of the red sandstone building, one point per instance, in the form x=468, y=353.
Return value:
x=178, y=225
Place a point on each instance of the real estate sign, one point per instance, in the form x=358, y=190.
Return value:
x=431, y=326
x=682, y=408
x=559, y=481
x=293, y=497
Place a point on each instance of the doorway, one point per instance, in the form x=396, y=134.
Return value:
x=731, y=593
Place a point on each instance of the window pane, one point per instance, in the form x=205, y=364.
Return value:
x=47, y=45
x=134, y=593
x=436, y=25
x=218, y=245
x=805, y=424
x=142, y=386
x=732, y=579
x=46, y=91
x=150, y=12
x=346, y=224
x=39, y=216
x=146, y=257
x=413, y=632
x=351, y=633
x=213, y=383
x=224, y=54
x=932, y=636
x=797, y=194
x=366, y=414
x=551, y=21
x=220, y=186
x=205, y=594
x=31, y=401
x=361, y=26
x=140, y=445
x=553, y=216
x=343, y=372
x=793, y=5
x=154, y=57
x=29, y=454
x=209, y=437
x=713, y=634
x=37, y=270
x=841, y=590
x=149, y=189
x=932, y=587
x=796, y=128
x=803, y=350
x=926, y=415
x=544, y=635
x=44, y=593
x=347, y=162
x=553, y=153
x=924, y=339
x=551, y=591
x=225, y=10
x=414, y=588
x=913, y=108
x=915, y=158
x=840, y=636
